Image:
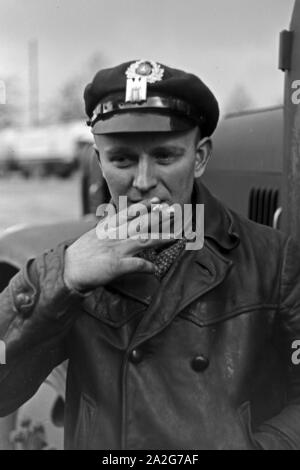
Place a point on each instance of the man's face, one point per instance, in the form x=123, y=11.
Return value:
x=143, y=165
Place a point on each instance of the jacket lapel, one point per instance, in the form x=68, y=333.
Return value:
x=139, y=286
x=192, y=276
x=194, y=273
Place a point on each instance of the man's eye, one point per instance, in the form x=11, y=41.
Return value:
x=122, y=162
x=165, y=159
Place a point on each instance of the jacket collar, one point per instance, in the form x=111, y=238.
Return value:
x=218, y=221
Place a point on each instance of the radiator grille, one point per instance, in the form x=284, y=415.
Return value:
x=262, y=205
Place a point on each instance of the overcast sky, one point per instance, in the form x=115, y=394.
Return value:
x=226, y=42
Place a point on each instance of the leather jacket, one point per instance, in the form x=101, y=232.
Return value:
x=199, y=360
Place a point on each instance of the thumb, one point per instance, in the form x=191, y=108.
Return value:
x=131, y=265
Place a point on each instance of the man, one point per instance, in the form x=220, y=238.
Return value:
x=168, y=348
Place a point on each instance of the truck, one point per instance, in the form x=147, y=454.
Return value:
x=43, y=150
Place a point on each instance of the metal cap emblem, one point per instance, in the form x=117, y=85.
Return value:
x=138, y=75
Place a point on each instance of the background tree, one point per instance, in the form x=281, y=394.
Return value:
x=69, y=105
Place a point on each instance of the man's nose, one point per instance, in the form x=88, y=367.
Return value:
x=145, y=178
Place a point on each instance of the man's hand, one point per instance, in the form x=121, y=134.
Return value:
x=91, y=262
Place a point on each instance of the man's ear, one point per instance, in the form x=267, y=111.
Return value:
x=203, y=152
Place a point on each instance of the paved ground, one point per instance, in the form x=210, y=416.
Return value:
x=38, y=201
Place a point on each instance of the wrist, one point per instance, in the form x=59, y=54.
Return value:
x=69, y=281
x=73, y=287
x=80, y=291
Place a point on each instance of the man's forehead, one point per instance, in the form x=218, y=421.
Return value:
x=150, y=138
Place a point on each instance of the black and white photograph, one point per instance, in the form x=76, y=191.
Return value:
x=149, y=227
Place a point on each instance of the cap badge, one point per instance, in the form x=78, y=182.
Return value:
x=138, y=75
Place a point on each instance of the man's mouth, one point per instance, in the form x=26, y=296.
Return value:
x=143, y=201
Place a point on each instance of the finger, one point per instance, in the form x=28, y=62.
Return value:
x=144, y=206
x=129, y=265
x=151, y=228
x=131, y=247
x=159, y=207
x=148, y=231
x=154, y=225
x=114, y=226
x=127, y=213
x=110, y=226
x=133, y=224
x=171, y=222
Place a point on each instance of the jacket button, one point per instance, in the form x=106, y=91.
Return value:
x=136, y=356
x=200, y=363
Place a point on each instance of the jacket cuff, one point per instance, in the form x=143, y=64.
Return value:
x=41, y=282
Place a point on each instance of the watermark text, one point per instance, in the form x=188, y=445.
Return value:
x=296, y=353
x=296, y=94
x=159, y=221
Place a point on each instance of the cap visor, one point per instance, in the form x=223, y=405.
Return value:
x=142, y=122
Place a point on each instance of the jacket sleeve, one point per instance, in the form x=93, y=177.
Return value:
x=283, y=431
x=36, y=313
